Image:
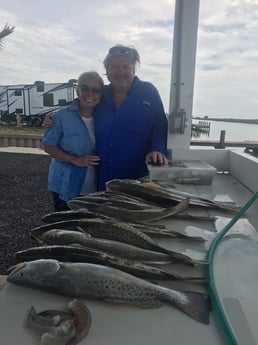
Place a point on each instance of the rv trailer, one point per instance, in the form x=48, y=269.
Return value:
x=33, y=101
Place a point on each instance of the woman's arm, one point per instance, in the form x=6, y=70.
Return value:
x=58, y=154
x=62, y=156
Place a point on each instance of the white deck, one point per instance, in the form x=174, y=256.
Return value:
x=236, y=267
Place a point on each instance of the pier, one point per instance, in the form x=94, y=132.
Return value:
x=221, y=145
x=250, y=145
x=201, y=126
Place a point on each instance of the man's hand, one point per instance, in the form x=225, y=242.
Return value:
x=156, y=157
x=84, y=161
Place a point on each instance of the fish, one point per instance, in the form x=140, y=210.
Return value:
x=117, y=231
x=59, y=335
x=156, y=193
x=157, y=232
x=46, y=319
x=85, y=280
x=60, y=216
x=192, y=217
x=116, y=201
x=70, y=214
x=82, y=318
x=67, y=326
x=58, y=328
x=123, y=250
x=73, y=253
x=129, y=215
x=136, y=188
x=150, y=230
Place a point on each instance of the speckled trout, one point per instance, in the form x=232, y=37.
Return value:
x=164, y=196
x=116, y=231
x=129, y=215
x=83, y=280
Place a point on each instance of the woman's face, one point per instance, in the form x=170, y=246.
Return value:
x=120, y=72
x=89, y=94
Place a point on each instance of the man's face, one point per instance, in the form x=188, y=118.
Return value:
x=120, y=72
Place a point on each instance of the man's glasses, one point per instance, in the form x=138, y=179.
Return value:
x=94, y=90
x=120, y=50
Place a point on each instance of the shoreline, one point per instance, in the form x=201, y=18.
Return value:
x=246, y=121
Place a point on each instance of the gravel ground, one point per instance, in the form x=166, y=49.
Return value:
x=24, y=199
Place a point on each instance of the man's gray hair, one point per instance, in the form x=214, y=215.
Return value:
x=121, y=50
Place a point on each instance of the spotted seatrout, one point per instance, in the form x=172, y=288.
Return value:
x=130, y=215
x=164, y=195
x=75, y=253
x=81, y=280
x=116, y=231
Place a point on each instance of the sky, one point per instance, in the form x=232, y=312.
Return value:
x=55, y=41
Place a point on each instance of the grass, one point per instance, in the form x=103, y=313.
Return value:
x=13, y=130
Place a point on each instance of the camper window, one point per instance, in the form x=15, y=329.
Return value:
x=48, y=100
x=17, y=93
x=62, y=102
x=40, y=87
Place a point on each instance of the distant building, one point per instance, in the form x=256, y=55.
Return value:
x=35, y=99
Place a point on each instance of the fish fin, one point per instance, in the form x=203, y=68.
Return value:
x=143, y=303
x=199, y=262
x=197, y=306
x=80, y=229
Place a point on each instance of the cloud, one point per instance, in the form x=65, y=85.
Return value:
x=57, y=40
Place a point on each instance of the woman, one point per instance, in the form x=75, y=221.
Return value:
x=71, y=143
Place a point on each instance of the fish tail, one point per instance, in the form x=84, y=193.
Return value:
x=181, y=258
x=186, y=260
x=196, y=305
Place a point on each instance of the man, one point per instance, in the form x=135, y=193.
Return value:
x=130, y=122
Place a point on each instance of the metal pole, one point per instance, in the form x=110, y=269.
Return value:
x=222, y=139
x=182, y=73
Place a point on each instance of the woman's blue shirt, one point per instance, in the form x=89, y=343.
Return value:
x=70, y=134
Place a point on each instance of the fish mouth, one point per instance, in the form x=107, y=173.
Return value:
x=13, y=269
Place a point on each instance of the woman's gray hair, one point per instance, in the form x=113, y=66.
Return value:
x=92, y=75
x=121, y=50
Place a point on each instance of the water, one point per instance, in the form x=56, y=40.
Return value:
x=234, y=131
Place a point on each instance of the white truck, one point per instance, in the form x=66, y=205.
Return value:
x=33, y=101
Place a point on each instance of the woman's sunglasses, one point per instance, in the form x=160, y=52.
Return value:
x=94, y=90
